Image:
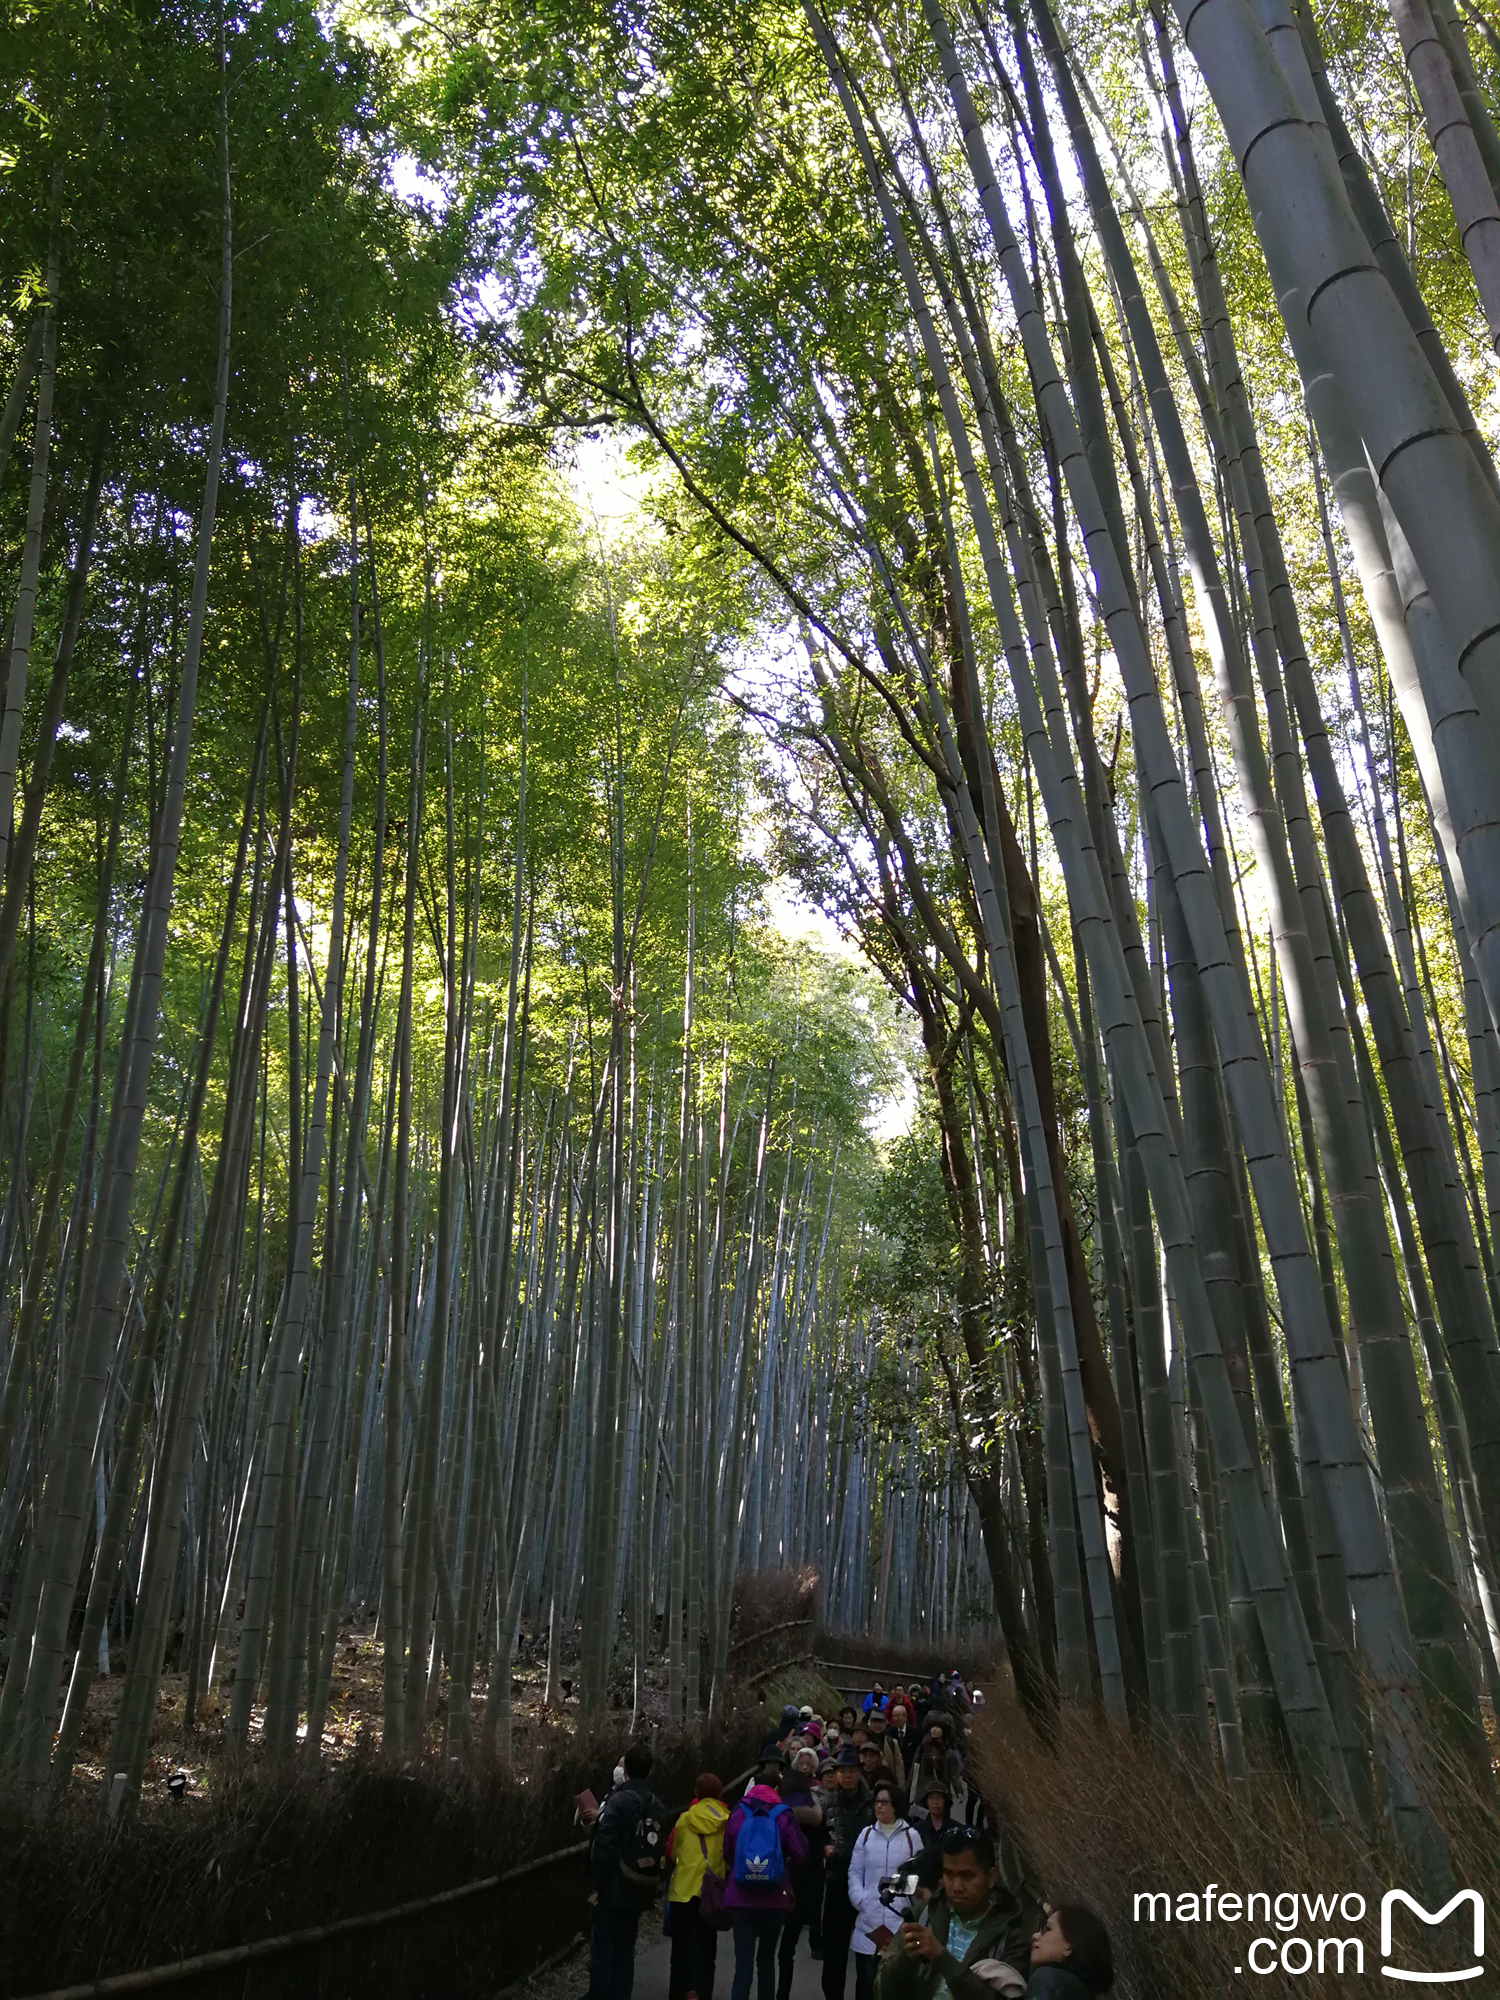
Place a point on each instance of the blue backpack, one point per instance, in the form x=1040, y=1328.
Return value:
x=758, y=1860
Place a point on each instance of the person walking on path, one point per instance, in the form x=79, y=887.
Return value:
x=888, y=1747
x=697, y=1847
x=762, y=1845
x=887, y=1847
x=933, y=1817
x=806, y=1807
x=971, y=1941
x=939, y=1759
x=628, y=1864
x=901, y=1724
x=846, y=1816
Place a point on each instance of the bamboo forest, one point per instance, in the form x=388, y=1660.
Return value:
x=750, y=828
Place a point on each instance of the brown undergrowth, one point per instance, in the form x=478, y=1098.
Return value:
x=1104, y=1818
x=271, y=1852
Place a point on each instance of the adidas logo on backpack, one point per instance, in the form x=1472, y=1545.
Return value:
x=758, y=1860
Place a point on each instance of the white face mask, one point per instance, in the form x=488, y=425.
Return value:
x=619, y=1774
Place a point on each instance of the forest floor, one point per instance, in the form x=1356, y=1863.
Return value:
x=357, y=1700
x=353, y=1724
x=355, y=1708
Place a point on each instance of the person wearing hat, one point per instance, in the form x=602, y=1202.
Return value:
x=871, y=1764
x=771, y=1762
x=846, y=1816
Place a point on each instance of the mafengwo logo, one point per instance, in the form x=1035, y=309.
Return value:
x=1322, y=1934
x=1388, y=1904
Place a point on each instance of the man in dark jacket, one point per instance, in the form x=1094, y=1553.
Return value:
x=621, y=1890
x=846, y=1814
x=972, y=1917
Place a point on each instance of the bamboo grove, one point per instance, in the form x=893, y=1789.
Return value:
x=433, y=1189
x=1072, y=537
x=976, y=375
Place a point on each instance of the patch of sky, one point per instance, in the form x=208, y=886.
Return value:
x=411, y=183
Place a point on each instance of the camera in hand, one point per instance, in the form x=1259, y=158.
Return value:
x=892, y=1888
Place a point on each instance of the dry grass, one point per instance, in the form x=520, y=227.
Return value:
x=1103, y=1818
x=272, y=1852
x=265, y=1852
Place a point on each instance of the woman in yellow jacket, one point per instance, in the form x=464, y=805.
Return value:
x=696, y=1846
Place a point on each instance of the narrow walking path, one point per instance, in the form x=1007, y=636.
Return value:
x=653, y=1967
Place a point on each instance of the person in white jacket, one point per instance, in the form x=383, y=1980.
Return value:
x=889, y=1847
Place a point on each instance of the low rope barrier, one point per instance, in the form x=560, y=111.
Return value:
x=150, y=1978
x=770, y=1673
x=770, y=1631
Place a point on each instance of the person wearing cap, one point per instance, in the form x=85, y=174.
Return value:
x=846, y=1816
x=871, y=1764
x=888, y=1747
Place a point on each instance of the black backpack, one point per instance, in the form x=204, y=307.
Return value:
x=643, y=1850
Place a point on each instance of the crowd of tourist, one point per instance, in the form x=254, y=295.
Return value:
x=860, y=1833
